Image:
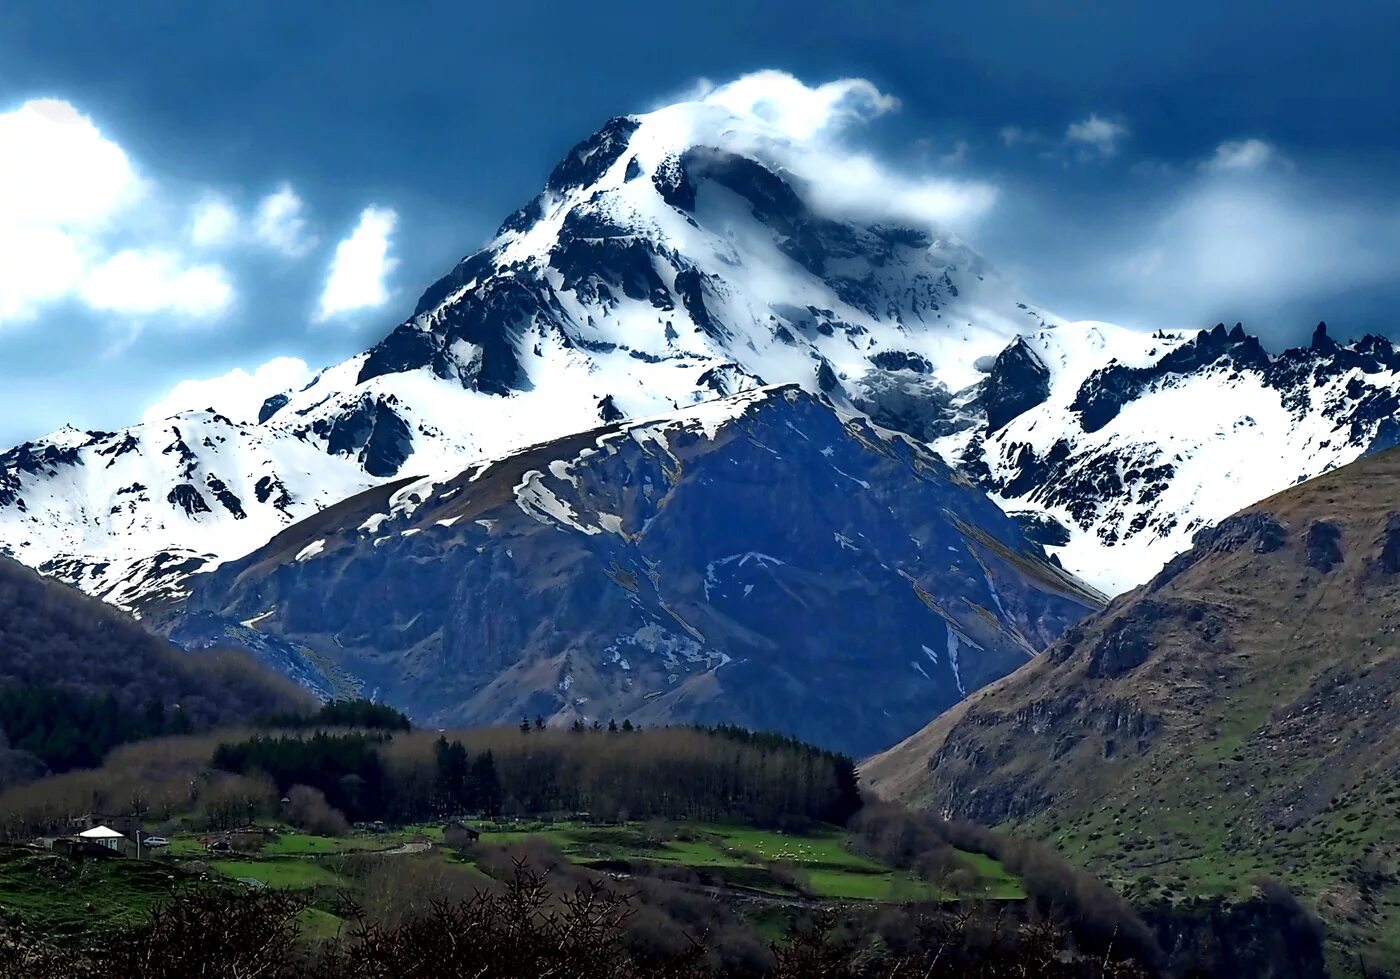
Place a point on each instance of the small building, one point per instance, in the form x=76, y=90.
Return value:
x=76, y=849
x=128, y=826
x=104, y=836
x=457, y=833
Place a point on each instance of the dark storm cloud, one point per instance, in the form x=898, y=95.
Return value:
x=1115, y=206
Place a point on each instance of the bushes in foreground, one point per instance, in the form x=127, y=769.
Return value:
x=527, y=929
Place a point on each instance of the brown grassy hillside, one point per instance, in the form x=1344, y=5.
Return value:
x=1236, y=716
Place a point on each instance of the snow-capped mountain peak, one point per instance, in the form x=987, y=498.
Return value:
x=671, y=258
x=1132, y=442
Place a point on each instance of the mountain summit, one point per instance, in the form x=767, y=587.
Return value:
x=677, y=257
x=654, y=271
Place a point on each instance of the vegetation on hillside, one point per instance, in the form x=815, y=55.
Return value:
x=679, y=773
x=78, y=677
x=1233, y=720
x=531, y=927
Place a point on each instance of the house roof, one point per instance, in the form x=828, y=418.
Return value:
x=101, y=833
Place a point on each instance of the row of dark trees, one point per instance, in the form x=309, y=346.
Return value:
x=465, y=784
x=346, y=768
x=78, y=677
x=353, y=713
x=66, y=729
x=679, y=773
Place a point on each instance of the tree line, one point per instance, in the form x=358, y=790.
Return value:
x=78, y=677
x=679, y=773
x=353, y=713
x=65, y=729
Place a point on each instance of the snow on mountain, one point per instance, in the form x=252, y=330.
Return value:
x=677, y=257
x=126, y=515
x=749, y=560
x=657, y=269
x=1131, y=443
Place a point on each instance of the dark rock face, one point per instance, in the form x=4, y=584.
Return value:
x=1390, y=546
x=1126, y=645
x=593, y=157
x=786, y=570
x=189, y=499
x=827, y=380
x=272, y=406
x=272, y=488
x=34, y=460
x=1104, y=392
x=1324, y=545
x=673, y=183
x=374, y=434
x=226, y=497
x=596, y=262
x=1261, y=532
x=608, y=410
x=489, y=320
x=901, y=360
x=690, y=286
x=1018, y=382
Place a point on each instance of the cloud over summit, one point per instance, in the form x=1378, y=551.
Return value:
x=811, y=132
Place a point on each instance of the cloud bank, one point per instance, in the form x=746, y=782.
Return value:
x=358, y=272
x=808, y=131
x=66, y=193
x=238, y=394
x=1239, y=236
x=80, y=223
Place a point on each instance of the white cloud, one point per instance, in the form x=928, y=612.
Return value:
x=804, y=130
x=1014, y=135
x=153, y=281
x=360, y=266
x=280, y=224
x=1242, y=154
x=67, y=194
x=797, y=111
x=1103, y=135
x=1249, y=239
x=214, y=222
x=237, y=394
x=957, y=155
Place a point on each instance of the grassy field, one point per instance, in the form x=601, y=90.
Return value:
x=293, y=873
x=64, y=899
x=820, y=860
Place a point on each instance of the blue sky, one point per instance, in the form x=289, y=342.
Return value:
x=177, y=187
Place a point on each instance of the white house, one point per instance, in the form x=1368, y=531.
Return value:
x=103, y=836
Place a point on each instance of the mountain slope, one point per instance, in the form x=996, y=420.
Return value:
x=62, y=651
x=672, y=258
x=1239, y=714
x=127, y=515
x=1133, y=442
x=760, y=560
x=651, y=273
